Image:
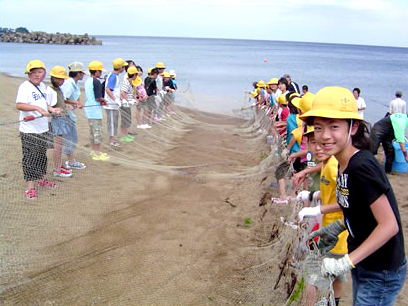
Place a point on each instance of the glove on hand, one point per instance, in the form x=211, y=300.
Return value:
x=328, y=236
x=309, y=212
x=315, y=199
x=118, y=102
x=336, y=267
x=303, y=195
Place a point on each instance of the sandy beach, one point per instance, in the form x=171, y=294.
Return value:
x=174, y=218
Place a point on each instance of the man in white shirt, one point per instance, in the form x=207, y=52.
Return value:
x=398, y=105
x=360, y=102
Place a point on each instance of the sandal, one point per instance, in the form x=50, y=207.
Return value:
x=46, y=183
x=115, y=144
x=279, y=201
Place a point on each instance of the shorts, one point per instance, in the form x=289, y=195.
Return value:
x=70, y=139
x=141, y=105
x=298, y=165
x=60, y=125
x=34, y=149
x=125, y=117
x=95, y=130
x=313, y=275
x=282, y=170
x=151, y=103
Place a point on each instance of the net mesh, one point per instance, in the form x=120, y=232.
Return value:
x=180, y=216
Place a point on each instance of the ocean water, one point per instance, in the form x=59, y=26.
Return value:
x=218, y=72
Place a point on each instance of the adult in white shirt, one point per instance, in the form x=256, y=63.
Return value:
x=361, y=106
x=398, y=105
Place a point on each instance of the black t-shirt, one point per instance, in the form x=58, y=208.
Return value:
x=97, y=88
x=362, y=183
x=150, y=86
x=169, y=83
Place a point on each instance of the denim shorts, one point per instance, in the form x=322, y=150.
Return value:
x=70, y=139
x=60, y=125
x=380, y=288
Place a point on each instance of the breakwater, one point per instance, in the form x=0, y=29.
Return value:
x=38, y=37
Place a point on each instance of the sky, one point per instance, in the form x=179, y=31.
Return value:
x=363, y=22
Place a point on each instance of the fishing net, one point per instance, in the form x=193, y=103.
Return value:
x=179, y=216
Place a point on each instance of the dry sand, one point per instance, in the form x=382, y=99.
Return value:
x=172, y=219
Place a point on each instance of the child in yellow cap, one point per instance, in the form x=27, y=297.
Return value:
x=325, y=196
x=376, y=255
x=59, y=124
x=32, y=103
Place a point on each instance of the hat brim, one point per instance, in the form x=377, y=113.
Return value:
x=84, y=72
x=296, y=102
x=331, y=114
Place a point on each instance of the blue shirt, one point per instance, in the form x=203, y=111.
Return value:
x=93, y=90
x=291, y=124
x=71, y=91
x=272, y=103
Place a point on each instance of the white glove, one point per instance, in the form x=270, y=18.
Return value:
x=315, y=199
x=132, y=102
x=309, y=212
x=336, y=267
x=117, y=101
x=303, y=195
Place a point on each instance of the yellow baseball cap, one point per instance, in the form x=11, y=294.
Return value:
x=137, y=81
x=254, y=94
x=297, y=133
x=273, y=81
x=119, y=63
x=261, y=83
x=96, y=65
x=295, y=101
x=333, y=102
x=282, y=100
x=309, y=130
x=132, y=70
x=34, y=64
x=160, y=65
x=149, y=70
x=59, y=72
x=305, y=103
x=166, y=74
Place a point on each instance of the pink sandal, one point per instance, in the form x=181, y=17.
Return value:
x=279, y=201
x=46, y=183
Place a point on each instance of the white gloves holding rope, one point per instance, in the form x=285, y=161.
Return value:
x=313, y=198
x=335, y=267
x=328, y=239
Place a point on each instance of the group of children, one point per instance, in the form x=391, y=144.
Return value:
x=153, y=97
x=360, y=228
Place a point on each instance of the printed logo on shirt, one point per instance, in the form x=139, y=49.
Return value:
x=36, y=96
x=342, y=191
x=324, y=180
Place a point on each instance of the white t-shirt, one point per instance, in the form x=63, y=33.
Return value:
x=27, y=93
x=276, y=95
x=398, y=106
x=361, y=104
x=113, y=83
